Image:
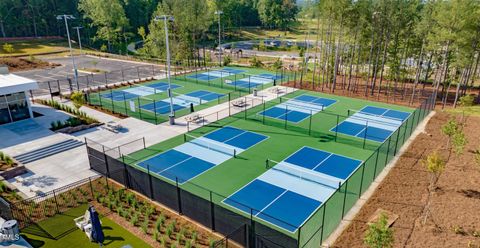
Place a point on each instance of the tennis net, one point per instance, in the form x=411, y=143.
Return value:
x=302, y=105
x=188, y=99
x=211, y=145
x=381, y=119
x=303, y=174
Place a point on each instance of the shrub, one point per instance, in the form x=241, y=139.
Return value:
x=8, y=48
x=159, y=222
x=188, y=244
x=119, y=210
x=66, y=108
x=435, y=165
x=130, y=198
x=134, y=219
x=477, y=156
x=211, y=243
x=194, y=236
x=162, y=241
x=178, y=237
x=155, y=235
x=379, y=235
x=6, y=159
x=467, y=100
x=255, y=62
x=459, y=142
x=3, y=187
x=227, y=60
x=169, y=231
x=145, y=226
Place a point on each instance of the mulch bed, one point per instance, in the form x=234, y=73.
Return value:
x=20, y=64
x=453, y=219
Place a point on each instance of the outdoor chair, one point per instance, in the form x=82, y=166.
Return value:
x=82, y=221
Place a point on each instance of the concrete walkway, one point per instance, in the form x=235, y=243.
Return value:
x=70, y=166
x=135, y=129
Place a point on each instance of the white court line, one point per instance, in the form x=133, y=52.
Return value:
x=321, y=162
x=274, y=200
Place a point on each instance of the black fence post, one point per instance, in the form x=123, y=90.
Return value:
x=396, y=142
x=361, y=180
x=106, y=162
x=388, y=150
x=91, y=188
x=125, y=173
x=344, y=198
x=376, y=163
x=150, y=181
x=212, y=212
x=155, y=111
x=139, y=108
x=56, y=202
x=323, y=224
x=179, y=198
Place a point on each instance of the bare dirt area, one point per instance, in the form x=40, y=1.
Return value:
x=389, y=92
x=453, y=218
x=21, y=64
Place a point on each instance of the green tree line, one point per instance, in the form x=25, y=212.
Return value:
x=391, y=47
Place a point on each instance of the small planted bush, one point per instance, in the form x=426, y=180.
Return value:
x=145, y=226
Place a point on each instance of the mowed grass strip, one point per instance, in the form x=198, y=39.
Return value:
x=61, y=231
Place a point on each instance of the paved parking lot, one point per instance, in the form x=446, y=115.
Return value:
x=85, y=61
x=112, y=71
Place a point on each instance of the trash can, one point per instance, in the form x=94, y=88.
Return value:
x=10, y=230
x=255, y=93
x=171, y=119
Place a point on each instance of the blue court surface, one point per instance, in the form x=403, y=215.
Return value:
x=119, y=95
x=291, y=191
x=232, y=71
x=181, y=101
x=137, y=91
x=299, y=108
x=205, y=95
x=244, y=84
x=162, y=86
x=203, y=77
x=270, y=76
x=372, y=123
x=195, y=157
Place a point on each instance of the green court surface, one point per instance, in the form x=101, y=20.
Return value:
x=60, y=231
x=150, y=102
x=285, y=138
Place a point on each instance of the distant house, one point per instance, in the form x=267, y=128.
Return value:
x=14, y=102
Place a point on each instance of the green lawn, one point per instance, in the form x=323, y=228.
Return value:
x=60, y=231
x=228, y=177
x=33, y=47
x=473, y=110
x=218, y=85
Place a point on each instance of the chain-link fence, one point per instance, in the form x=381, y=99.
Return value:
x=205, y=206
x=48, y=204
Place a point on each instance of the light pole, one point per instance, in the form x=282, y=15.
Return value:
x=166, y=19
x=219, y=13
x=79, y=40
x=66, y=17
